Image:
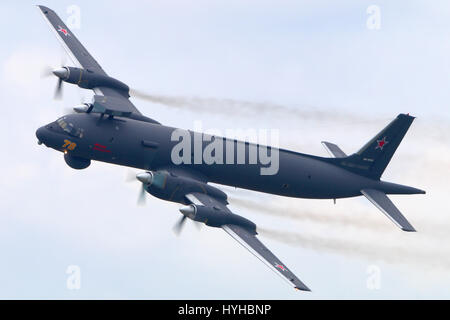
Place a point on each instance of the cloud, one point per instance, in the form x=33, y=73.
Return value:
x=23, y=68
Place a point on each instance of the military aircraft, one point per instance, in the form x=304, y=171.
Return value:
x=111, y=129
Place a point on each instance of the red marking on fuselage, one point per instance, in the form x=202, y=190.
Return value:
x=99, y=147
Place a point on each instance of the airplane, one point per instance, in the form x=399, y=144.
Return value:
x=111, y=129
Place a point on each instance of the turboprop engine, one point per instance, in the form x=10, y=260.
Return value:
x=169, y=186
x=215, y=217
x=87, y=79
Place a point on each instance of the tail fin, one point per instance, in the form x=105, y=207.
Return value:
x=373, y=158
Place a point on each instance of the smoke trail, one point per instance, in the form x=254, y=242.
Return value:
x=439, y=230
x=432, y=127
x=233, y=107
x=437, y=127
x=426, y=257
x=302, y=214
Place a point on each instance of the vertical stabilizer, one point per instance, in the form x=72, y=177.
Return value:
x=378, y=152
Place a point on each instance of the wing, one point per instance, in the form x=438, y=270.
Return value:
x=83, y=59
x=249, y=241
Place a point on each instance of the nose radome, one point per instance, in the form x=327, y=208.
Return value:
x=40, y=134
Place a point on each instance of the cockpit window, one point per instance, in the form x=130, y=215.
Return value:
x=70, y=128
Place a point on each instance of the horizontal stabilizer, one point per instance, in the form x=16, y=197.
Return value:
x=334, y=150
x=382, y=202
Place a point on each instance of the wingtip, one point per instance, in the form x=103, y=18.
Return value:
x=301, y=286
x=409, y=229
x=44, y=9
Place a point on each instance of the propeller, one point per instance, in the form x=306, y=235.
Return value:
x=47, y=72
x=144, y=178
x=130, y=176
x=187, y=211
x=58, y=90
x=142, y=196
x=178, y=227
x=61, y=73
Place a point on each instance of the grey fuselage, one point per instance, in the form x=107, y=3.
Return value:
x=148, y=146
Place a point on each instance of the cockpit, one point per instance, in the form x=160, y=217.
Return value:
x=70, y=128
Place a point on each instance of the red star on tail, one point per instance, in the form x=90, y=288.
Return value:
x=381, y=143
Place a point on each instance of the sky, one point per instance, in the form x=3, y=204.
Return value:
x=313, y=70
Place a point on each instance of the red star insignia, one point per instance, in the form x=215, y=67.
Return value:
x=381, y=143
x=279, y=266
x=64, y=31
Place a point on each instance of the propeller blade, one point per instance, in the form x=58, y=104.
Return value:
x=130, y=176
x=142, y=196
x=198, y=225
x=68, y=110
x=179, y=225
x=58, y=90
x=46, y=72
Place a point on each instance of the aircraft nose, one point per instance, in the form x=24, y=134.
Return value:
x=40, y=134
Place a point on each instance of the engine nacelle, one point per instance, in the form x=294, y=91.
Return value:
x=168, y=186
x=88, y=79
x=76, y=162
x=216, y=217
